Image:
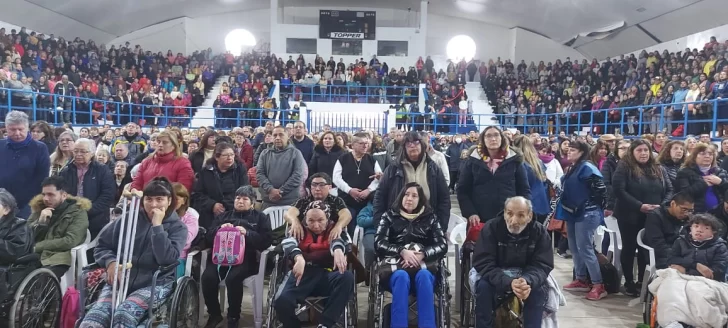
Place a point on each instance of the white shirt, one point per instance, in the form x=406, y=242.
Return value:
x=344, y=187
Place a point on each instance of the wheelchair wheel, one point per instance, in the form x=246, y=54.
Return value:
x=650, y=306
x=353, y=311
x=185, y=303
x=443, y=304
x=274, y=282
x=466, y=295
x=37, y=301
x=372, y=317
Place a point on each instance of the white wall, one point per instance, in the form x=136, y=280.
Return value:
x=491, y=41
x=169, y=35
x=697, y=40
x=385, y=17
x=530, y=47
x=210, y=31
x=41, y=20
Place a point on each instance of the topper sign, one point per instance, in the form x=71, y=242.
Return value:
x=345, y=35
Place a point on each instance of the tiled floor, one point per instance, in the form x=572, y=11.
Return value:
x=611, y=312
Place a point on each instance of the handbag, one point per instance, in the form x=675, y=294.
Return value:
x=389, y=265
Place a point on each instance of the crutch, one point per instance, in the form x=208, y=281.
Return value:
x=124, y=252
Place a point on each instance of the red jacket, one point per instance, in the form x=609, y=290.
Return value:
x=246, y=154
x=176, y=169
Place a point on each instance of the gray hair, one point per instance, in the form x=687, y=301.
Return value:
x=520, y=199
x=135, y=171
x=17, y=117
x=246, y=191
x=69, y=133
x=89, y=144
x=8, y=201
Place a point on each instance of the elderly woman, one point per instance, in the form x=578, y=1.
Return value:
x=413, y=165
x=63, y=153
x=491, y=174
x=15, y=234
x=166, y=236
x=216, y=184
x=702, y=178
x=167, y=161
x=256, y=228
x=87, y=178
x=410, y=221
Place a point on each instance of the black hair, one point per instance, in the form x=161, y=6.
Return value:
x=219, y=148
x=683, y=198
x=56, y=181
x=160, y=186
x=411, y=136
x=706, y=219
x=423, y=201
x=320, y=175
x=582, y=147
x=223, y=139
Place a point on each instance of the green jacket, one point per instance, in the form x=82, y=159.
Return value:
x=66, y=229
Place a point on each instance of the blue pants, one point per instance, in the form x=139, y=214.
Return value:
x=424, y=286
x=581, y=244
x=485, y=305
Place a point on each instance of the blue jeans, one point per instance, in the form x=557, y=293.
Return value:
x=581, y=244
x=400, y=285
x=485, y=305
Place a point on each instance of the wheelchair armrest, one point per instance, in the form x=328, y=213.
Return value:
x=168, y=267
x=91, y=267
x=27, y=259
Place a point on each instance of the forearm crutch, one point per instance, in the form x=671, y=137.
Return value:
x=124, y=252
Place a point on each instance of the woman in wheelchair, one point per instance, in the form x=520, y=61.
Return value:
x=411, y=242
x=256, y=228
x=160, y=237
x=16, y=241
x=319, y=269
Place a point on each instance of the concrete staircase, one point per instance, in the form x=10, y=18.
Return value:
x=482, y=111
x=205, y=115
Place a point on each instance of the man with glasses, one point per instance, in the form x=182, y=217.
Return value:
x=320, y=184
x=356, y=175
x=665, y=224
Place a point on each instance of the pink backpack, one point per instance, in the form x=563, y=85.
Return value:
x=229, y=247
x=69, y=308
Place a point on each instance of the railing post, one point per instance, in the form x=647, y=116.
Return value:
x=639, y=121
x=715, y=120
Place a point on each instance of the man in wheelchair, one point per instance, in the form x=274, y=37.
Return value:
x=514, y=257
x=319, y=268
x=16, y=242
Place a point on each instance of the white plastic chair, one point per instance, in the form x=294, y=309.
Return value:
x=69, y=278
x=457, y=232
x=650, y=269
x=357, y=240
x=613, y=228
x=255, y=283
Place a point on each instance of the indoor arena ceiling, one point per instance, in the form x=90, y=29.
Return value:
x=560, y=20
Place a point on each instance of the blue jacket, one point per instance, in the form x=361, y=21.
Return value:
x=23, y=166
x=365, y=219
x=577, y=194
x=539, y=196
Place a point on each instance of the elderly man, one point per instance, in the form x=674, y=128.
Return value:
x=513, y=255
x=319, y=269
x=280, y=171
x=64, y=91
x=87, y=178
x=24, y=162
x=121, y=153
x=59, y=222
x=320, y=184
x=132, y=137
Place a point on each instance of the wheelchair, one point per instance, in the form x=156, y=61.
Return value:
x=36, y=295
x=179, y=310
x=467, y=299
x=377, y=316
x=348, y=319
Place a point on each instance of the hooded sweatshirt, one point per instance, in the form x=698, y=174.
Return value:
x=281, y=169
x=154, y=247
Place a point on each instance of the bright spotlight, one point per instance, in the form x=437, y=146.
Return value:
x=461, y=47
x=238, y=40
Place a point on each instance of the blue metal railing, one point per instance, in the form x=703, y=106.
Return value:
x=350, y=93
x=705, y=116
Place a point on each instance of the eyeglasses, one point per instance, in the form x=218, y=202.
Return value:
x=319, y=184
x=492, y=136
x=412, y=143
x=686, y=210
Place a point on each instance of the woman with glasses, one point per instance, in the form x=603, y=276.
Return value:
x=702, y=178
x=214, y=191
x=63, y=153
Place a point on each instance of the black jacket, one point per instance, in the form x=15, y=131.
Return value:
x=661, y=231
x=393, y=180
x=258, y=233
x=712, y=253
x=671, y=168
x=395, y=231
x=453, y=153
x=691, y=181
x=324, y=161
x=16, y=240
x=197, y=160
x=483, y=193
x=99, y=187
x=608, y=168
x=631, y=192
x=720, y=214
x=208, y=190
x=497, y=249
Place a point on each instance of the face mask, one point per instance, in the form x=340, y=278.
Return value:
x=458, y=140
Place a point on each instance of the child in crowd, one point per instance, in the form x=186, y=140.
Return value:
x=701, y=252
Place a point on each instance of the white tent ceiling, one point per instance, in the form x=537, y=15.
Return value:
x=560, y=20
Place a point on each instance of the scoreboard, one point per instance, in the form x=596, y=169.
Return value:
x=345, y=24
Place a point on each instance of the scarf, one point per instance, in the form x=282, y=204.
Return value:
x=704, y=170
x=411, y=216
x=19, y=145
x=547, y=158
x=494, y=161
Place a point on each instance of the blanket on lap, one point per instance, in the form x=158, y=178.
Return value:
x=692, y=300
